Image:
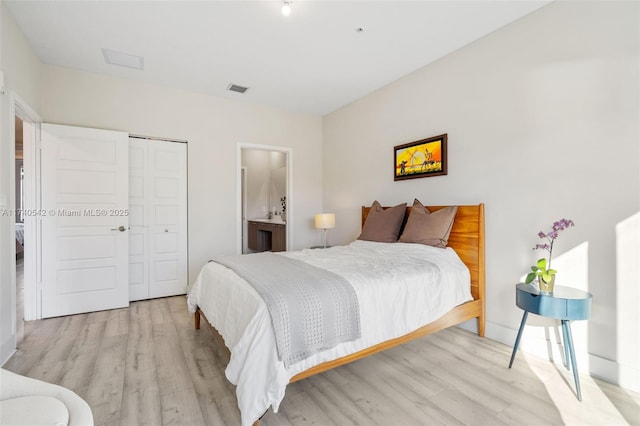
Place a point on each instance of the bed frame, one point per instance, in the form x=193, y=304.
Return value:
x=467, y=239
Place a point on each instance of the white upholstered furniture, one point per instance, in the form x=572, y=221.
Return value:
x=27, y=401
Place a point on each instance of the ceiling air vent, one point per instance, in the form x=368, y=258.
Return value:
x=123, y=59
x=235, y=88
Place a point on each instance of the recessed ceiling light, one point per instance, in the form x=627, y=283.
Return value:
x=123, y=59
x=286, y=8
x=237, y=88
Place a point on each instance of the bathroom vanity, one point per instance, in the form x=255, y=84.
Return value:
x=267, y=234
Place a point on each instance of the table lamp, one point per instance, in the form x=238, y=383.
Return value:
x=325, y=221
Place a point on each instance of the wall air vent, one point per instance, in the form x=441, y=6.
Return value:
x=236, y=88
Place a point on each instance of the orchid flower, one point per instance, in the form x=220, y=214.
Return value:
x=543, y=267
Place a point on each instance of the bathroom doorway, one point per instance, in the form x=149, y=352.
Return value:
x=19, y=224
x=24, y=131
x=264, y=193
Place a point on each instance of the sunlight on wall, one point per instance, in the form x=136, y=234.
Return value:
x=628, y=301
x=542, y=336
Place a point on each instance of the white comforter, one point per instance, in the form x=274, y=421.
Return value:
x=400, y=288
x=20, y=233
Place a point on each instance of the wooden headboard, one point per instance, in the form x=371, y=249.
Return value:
x=467, y=239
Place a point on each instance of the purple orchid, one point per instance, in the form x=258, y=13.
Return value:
x=543, y=268
x=551, y=236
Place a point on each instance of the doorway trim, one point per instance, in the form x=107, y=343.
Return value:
x=243, y=208
x=288, y=151
x=31, y=155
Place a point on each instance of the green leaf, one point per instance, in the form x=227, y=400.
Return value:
x=546, y=277
x=542, y=263
x=530, y=277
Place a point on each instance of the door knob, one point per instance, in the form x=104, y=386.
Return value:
x=119, y=228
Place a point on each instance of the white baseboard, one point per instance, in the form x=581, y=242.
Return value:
x=625, y=376
x=629, y=377
x=7, y=349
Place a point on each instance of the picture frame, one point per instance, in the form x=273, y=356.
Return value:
x=423, y=158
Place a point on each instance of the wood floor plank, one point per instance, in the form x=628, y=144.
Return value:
x=146, y=365
x=81, y=361
x=35, y=343
x=418, y=392
x=104, y=393
x=438, y=363
x=520, y=414
x=50, y=367
x=301, y=409
x=210, y=384
x=488, y=383
x=141, y=394
x=407, y=393
x=340, y=413
x=178, y=398
x=622, y=399
x=330, y=398
x=371, y=395
x=465, y=409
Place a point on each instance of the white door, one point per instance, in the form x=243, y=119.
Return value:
x=138, y=220
x=84, y=219
x=158, y=203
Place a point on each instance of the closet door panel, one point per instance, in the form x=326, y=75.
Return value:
x=158, y=218
x=138, y=220
x=168, y=219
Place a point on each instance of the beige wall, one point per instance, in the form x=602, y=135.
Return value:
x=214, y=127
x=542, y=118
x=21, y=76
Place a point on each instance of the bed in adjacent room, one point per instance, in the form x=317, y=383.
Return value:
x=19, y=239
x=395, y=291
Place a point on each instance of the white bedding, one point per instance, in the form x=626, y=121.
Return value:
x=20, y=233
x=399, y=289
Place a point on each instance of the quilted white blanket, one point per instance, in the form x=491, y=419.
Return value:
x=400, y=287
x=311, y=309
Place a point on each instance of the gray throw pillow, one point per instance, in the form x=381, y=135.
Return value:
x=425, y=227
x=383, y=225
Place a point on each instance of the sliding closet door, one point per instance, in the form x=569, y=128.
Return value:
x=83, y=218
x=158, y=205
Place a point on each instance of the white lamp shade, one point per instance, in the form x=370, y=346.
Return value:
x=325, y=220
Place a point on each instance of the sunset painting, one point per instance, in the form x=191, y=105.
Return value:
x=423, y=158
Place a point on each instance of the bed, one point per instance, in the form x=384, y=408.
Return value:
x=19, y=239
x=419, y=305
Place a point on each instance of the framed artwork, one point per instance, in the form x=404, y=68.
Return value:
x=423, y=158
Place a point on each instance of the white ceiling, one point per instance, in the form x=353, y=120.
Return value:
x=312, y=61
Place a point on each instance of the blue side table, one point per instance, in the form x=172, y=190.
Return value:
x=566, y=304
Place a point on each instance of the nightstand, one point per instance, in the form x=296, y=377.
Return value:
x=566, y=304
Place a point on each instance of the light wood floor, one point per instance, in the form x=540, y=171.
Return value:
x=146, y=365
